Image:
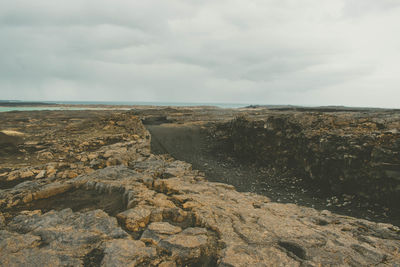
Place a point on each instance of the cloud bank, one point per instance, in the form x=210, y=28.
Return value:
x=312, y=52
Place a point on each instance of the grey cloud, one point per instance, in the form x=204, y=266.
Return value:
x=277, y=52
x=368, y=7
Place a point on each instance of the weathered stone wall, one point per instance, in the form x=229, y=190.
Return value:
x=340, y=153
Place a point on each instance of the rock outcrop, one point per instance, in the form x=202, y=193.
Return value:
x=341, y=153
x=183, y=220
x=153, y=210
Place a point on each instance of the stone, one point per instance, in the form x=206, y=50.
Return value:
x=157, y=231
x=41, y=174
x=156, y=215
x=167, y=264
x=164, y=228
x=26, y=174
x=185, y=246
x=52, y=190
x=14, y=175
x=45, y=156
x=161, y=200
x=83, y=158
x=2, y=221
x=127, y=253
x=64, y=238
x=175, y=214
x=96, y=163
x=23, y=250
x=51, y=171
x=112, y=162
x=70, y=174
x=136, y=218
x=92, y=156
x=12, y=242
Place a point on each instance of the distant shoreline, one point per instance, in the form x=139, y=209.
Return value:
x=24, y=104
x=15, y=103
x=36, y=105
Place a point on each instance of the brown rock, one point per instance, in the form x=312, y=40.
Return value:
x=69, y=174
x=175, y=214
x=93, y=156
x=185, y=246
x=2, y=221
x=112, y=162
x=14, y=175
x=85, y=143
x=164, y=228
x=157, y=231
x=52, y=190
x=28, y=198
x=156, y=215
x=83, y=158
x=51, y=171
x=122, y=252
x=26, y=174
x=161, y=200
x=45, y=156
x=136, y=218
x=41, y=174
x=167, y=264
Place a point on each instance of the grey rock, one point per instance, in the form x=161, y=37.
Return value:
x=127, y=253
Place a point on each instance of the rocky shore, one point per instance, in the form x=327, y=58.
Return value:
x=84, y=189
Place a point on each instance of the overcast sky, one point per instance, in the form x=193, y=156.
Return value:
x=309, y=52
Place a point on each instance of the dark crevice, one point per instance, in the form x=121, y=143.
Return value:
x=243, y=237
x=42, y=243
x=214, y=157
x=171, y=216
x=293, y=249
x=134, y=234
x=77, y=200
x=93, y=258
x=10, y=184
x=321, y=222
x=203, y=261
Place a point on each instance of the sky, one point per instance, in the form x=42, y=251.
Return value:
x=309, y=52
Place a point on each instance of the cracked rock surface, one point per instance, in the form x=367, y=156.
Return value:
x=203, y=223
x=153, y=210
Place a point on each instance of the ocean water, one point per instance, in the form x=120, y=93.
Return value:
x=6, y=109
x=143, y=103
x=178, y=104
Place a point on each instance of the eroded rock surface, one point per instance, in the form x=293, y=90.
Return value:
x=206, y=224
x=341, y=159
x=342, y=153
x=153, y=210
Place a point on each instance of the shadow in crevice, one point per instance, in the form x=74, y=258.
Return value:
x=10, y=184
x=193, y=144
x=78, y=200
x=93, y=258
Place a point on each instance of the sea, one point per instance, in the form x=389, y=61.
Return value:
x=110, y=103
